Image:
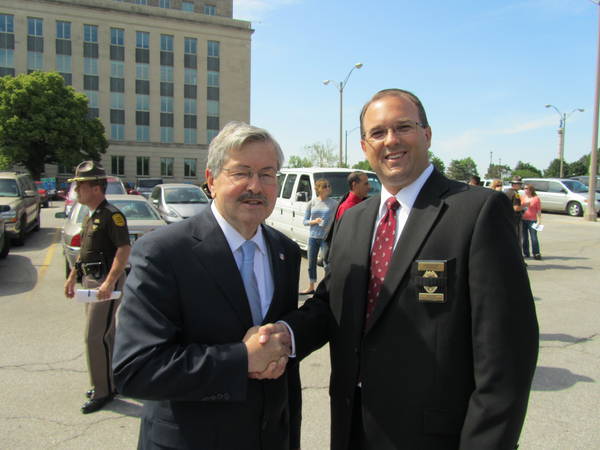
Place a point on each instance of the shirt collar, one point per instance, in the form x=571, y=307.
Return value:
x=408, y=194
x=233, y=237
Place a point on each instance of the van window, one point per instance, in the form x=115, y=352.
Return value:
x=304, y=186
x=555, y=187
x=576, y=186
x=280, y=178
x=288, y=187
x=374, y=183
x=540, y=186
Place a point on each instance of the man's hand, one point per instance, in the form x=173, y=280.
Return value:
x=267, y=358
x=104, y=291
x=70, y=285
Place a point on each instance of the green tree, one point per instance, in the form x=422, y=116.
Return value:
x=462, y=169
x=437, y=162
x=322, y=155
x=362, y=165
x=500, y=171
x=553, y=170
x=42, y=121
x=579, y=168
x=585, y=159
x=526, y=170
x=297, y=162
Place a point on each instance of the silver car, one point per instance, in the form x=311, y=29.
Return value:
x=176, y=202
x=562, y=195
x=141, y=218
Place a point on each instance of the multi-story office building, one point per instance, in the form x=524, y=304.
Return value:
x=163, y=75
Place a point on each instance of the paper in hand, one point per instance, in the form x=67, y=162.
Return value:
x=90, y=295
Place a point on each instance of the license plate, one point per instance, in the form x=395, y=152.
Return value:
x=132, y=238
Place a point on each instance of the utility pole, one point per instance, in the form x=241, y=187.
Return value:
x=591, y=214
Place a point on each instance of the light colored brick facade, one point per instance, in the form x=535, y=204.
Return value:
x=230, y=69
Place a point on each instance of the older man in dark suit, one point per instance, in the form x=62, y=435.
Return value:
x=427, y=304
x=194, y=290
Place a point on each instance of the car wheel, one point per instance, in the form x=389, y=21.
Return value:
x=574, y=209
x=38, y=220
x=5, y=246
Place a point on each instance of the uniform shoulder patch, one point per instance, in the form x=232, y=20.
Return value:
x=118, y=219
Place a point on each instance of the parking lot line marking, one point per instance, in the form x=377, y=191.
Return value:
x=49, y=255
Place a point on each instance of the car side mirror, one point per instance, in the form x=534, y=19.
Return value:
x=30, y=193
x=60, y=215
x=301, y=196
x=155, y=201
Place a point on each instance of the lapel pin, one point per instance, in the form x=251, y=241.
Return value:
x=282, y=257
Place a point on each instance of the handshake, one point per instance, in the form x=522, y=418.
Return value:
x=268, y=347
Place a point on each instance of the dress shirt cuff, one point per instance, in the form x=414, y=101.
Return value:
x=293, y=354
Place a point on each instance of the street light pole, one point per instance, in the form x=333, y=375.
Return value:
x=346, y=144
x=561, y=134
x=340, y=87
x=591, y=209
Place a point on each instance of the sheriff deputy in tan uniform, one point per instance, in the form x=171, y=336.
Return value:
x=104, y=253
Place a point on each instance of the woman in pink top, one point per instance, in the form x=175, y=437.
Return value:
x=532, y=216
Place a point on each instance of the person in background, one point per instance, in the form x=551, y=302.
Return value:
x=104, y=252
x=531, y=218
x=496, y=184
x=318, y=215
x=358, y=185
x=475, y=181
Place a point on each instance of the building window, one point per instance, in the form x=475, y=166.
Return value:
x=143, y=166
x=210, y=135
x=191, y=46
x=7, y=57
x=35, y=61
x=117, y=100
x=63, y=30
x=212, y=108
x=166, y=74
x=142, y=71
x=213, y=79
x=164, y=3
x=142, y=133
x=189, y=167
x=117, y=36
x=166, y=134
x=90, y=33
x=166, y=43
x=210, y=10
x=190, y=136
x=142, y=102
x=7, y=23
x=141, y=2
x=166, y=104
x=92, y=98
x=166, y=167
x=191, y=76
x=35, y=27
x=117, y=131
x=63, y=63
x=142, y=39
x=90, y=66
x=117, y=69
x=117, y=165
x=190, y=106
x=187, y=6
x=213, y=48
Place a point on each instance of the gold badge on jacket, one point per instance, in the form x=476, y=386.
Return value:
x=430, y=277
x=118, y=219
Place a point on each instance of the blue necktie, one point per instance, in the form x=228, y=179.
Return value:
x=250, y=283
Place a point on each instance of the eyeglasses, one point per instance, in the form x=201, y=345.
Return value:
x=400, y=129
x=268, y=177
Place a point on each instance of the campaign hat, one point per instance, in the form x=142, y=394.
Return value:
x=88, y=171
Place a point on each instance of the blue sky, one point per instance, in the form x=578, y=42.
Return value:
x=483, y=69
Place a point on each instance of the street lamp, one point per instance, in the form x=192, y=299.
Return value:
x=591, y=209
x=340, y=87
x=346, y=149
x=561, y=134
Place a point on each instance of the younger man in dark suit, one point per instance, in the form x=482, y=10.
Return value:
x=194, y=290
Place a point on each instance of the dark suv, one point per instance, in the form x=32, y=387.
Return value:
x=145, y=185
x=21, y=204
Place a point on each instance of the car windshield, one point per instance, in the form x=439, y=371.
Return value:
x=575, y=186
x=132, y=209
x=8, y=188
x=185, y=195
x=339, y=183
x=115, y=187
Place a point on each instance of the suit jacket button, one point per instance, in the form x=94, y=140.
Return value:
x=226, y=396
x=219, y=396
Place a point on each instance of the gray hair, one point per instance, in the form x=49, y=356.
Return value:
x=234, y=136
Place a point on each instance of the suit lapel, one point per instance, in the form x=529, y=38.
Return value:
x=213, y=252
x=425, y=211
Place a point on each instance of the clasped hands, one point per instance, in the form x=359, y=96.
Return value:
x=269, y=347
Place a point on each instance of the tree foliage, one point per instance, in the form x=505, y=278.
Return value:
x=462, y=169
x=362, y=165
x=42, y=121
x=322, y=154
x=501, y=171
x=298, y=162
x=526, y=170
x=437, y=162
x=553, y=170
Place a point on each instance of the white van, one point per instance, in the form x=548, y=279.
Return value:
x=297, y=188
x=562, y=195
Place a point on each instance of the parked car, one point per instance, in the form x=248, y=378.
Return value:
x=141, y=218
x=114, y=185
x=176, y=202
x=144, y=186
x=19, y=193
x=296, y=189
x=562, y=195
x=585, y=179
x=4, y=239
x=44, y=197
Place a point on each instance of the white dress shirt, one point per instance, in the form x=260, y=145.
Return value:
x=262, y=261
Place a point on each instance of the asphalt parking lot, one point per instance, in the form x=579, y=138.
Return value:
x=43, y=375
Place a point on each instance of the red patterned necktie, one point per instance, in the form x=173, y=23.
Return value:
x=381, y=254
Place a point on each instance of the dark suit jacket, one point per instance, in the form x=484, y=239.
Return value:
x=179, y=342
x=434, y=375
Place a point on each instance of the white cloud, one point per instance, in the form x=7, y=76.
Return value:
x=255, y=10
